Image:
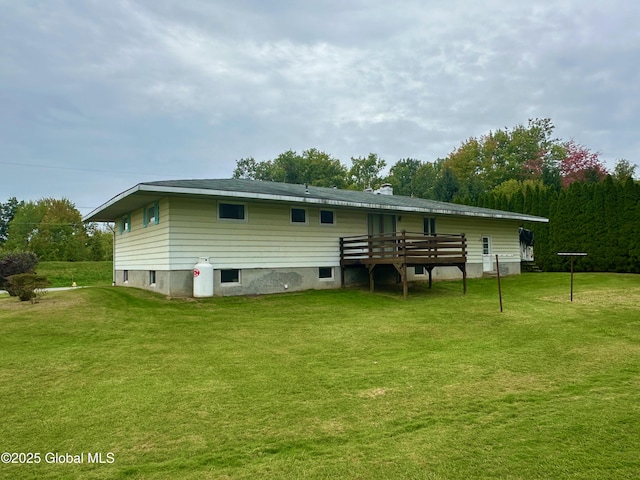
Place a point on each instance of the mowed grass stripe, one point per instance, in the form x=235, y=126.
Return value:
x=329, y=384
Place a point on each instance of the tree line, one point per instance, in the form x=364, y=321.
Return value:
x=53, y=230
x=523, y=169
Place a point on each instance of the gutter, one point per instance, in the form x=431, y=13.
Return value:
x=308, y=200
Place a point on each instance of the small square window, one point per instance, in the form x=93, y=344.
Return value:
x=231, y=211
x=125, y=224
x=230, y=276
x=298, y=215
x=420, y=270
x=152, y=277
x=151, y=215
x=327, y=217
x=325, y=273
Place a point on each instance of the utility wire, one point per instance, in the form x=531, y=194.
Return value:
x=56, y=167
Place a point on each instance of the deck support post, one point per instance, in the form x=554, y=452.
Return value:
x=402, y=249
x=371, y=267
x=402, y=270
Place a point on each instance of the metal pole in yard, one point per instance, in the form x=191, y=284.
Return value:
x=499, y=287
x=572, y=279
x=572, y=256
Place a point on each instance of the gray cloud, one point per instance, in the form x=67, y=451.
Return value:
x=183, y=89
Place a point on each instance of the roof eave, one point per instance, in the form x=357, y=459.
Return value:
x=145, y=188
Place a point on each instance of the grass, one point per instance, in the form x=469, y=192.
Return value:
x=63, y=274
x=329, y=384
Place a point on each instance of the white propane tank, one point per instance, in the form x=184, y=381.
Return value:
x=203, y=278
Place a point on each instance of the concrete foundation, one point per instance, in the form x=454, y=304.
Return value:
x=259, y=281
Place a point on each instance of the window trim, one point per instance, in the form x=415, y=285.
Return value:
x=233, y=220
x=306, y=216
x=333, y=217
x=146, y=220
x=326, y=279
x=125, y=223
x=231, y=284
x=432, y=225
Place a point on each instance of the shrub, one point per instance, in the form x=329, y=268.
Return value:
x=17, y=263
x=26, y=286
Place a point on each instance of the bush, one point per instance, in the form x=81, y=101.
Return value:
x=26, y=286
x=17, y=263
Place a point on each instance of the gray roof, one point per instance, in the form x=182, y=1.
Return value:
x=239, y=189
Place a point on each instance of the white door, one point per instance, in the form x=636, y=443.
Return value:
x=487, y=257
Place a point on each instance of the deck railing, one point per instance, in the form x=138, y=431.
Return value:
x=405, y=247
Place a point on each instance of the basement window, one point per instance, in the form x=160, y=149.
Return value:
x=152, y=278
x=325, y=273
x=125, y=276
x=230, y=276
x=420, y=270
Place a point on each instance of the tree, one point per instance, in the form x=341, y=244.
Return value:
x=99, y=242
x=321, y=170
x=446, y=186
x=623, y=170
x=24, y=226
x=580, y=165
x=402, y=175
x=50, y=228
x=7, y=212
x=365, y=172
x=17, y=263
x=312, y=167
x=425, y=178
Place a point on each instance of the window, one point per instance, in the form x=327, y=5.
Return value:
x=152, y=277
x=325, y=273
x=298, y=215
x=151, y=214
x=231, y=211
x=327, y=217
x=420, y=270
x=125, y=276
x=125, y=224
x=230, y=276
x=430, y=225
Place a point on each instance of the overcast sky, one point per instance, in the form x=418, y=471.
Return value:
x=99, y=95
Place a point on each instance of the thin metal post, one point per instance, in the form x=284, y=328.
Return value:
x=572, y=279
x=499, y=287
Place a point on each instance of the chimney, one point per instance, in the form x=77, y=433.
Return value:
x=385, y=189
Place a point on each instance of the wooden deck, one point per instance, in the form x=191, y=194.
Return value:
x=402, y=250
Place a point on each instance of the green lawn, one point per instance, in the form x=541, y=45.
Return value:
x=329, y=384
x=63, y=274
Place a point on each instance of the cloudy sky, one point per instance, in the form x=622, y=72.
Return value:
x=97, y=96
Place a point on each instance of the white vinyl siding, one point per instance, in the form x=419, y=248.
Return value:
x=504, y=233
x=267, y=240
x=190, y=228
x=144, y=248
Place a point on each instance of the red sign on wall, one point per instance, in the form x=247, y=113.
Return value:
x=196, y=272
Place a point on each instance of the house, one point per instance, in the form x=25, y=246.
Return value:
x=268, y=237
